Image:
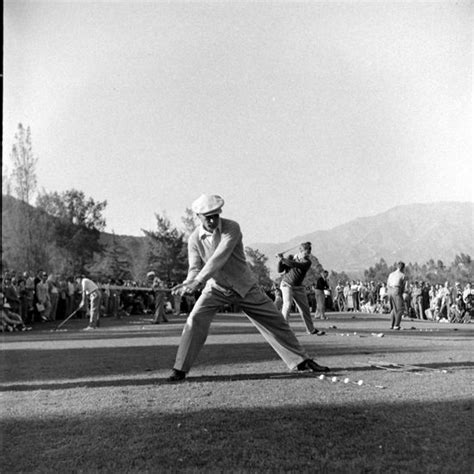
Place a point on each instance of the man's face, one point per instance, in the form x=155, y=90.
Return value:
x=305, y=252
x=209, y=222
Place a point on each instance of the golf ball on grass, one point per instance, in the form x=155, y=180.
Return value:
x=334, y=379
x=322, y=377
x=346, y=380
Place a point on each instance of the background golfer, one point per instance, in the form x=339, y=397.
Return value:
x=90, y=291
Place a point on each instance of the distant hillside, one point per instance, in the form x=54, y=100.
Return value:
x=412, y=233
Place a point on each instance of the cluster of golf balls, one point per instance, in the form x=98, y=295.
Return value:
x=345, y=380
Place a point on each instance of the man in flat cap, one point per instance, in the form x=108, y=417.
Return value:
x=159, y=297
x=218, y=267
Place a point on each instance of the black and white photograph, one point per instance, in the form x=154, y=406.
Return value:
x=237, y=236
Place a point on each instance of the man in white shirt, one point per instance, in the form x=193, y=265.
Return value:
x=90, y=290
x=396, y=286
x=218, y=267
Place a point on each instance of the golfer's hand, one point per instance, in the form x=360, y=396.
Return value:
x=279, y=255
x=186, y=287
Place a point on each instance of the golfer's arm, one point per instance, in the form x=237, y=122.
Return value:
x=195, y=262
x=222, y=253
x=295, y=264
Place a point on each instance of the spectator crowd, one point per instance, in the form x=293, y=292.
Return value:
x=27, y=298
x=33, y=298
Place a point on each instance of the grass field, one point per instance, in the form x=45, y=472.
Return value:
x=74, y=401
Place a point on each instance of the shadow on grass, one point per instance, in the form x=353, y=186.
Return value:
x=349, y=438
x=150, y=379
x=38, y=365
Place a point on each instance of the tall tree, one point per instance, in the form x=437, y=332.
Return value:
x=21, y=249
x=189, y=221
x=24, y=165
x=73, y=207
x=114, y=263
x=258, y=264
x=78, y=225
x=379, y=272
x=167, y=253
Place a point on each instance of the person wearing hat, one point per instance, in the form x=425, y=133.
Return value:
x=218, y=267
x=157, y=287
x=294, y=270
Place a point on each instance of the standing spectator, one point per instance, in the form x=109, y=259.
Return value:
x=53, y=296
x=425, y=298
x=348, y=297
x=417, y=301
x=23, y=298
x=160, y=297
x=42, y=295
x=383, y=297
x=62, y=301
x=396, y=284
x=340, y=300
x=321, y=286
x=70, y=296
x=30, y=295
x=355, y=296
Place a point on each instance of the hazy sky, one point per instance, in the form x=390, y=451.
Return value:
x=302, y=115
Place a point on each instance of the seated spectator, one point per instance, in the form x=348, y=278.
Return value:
x=10, y=294
x=468, y=299
x=10, y=321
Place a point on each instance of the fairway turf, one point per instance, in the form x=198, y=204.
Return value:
x=76, y=401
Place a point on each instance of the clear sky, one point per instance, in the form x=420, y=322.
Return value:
x=302, y=115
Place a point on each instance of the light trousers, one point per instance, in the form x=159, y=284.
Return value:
x=397, y=306
x=261, y=311
x=94, y=299
x=159, y=315
x=298, y=295
x=320, y=304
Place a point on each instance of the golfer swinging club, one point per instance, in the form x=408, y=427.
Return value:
x=90, y=290
x=218, y=266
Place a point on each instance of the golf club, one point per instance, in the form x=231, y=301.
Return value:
x=67, y=319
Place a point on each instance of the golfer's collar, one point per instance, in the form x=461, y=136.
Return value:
x=203, y=233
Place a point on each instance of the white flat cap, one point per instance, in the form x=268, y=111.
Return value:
x=208, y=204
x=149, y=274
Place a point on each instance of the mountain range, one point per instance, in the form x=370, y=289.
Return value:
x=412, y=233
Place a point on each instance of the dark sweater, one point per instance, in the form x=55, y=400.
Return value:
x=322, y=284
x=295, y=271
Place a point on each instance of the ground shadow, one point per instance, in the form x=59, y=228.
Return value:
x=66, y=364
x=355, y=437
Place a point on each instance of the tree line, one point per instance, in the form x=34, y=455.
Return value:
x=63, y=232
